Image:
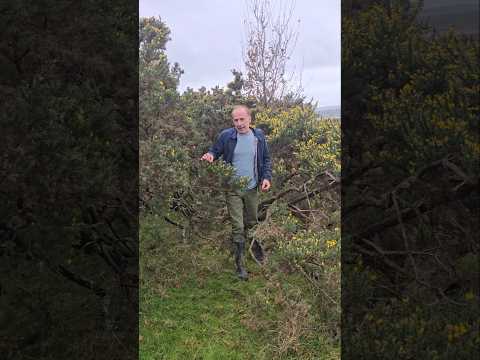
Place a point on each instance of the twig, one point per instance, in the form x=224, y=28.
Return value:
x=251, y=252
x=308, y=200
x=404, y=233
x=167, y=219
x=79, y=280
x=380, y=251
x=314, y=192
x=443, y=198
x=315, y=284
x=298, y=212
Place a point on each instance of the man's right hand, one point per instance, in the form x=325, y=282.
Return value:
x=208, y=157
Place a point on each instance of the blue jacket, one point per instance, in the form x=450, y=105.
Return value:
x=225, y=145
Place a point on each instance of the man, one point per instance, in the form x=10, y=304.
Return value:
x=246, y=149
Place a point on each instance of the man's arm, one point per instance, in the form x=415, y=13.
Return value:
x=267, y=168
x=267, y=163
x=215, y=151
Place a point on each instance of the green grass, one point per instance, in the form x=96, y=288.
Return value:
x=201, y=320
x=194, y=307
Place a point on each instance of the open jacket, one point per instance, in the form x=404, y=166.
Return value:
x=225, y=145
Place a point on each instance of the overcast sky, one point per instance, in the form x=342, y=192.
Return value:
x=207, y=38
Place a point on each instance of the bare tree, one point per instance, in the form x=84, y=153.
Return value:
x=270, y=40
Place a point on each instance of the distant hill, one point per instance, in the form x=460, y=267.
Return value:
x=329, y=111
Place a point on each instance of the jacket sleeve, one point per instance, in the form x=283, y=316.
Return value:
x=267, y=162
x=218, y=147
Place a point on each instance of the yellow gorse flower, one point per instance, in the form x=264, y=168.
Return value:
x=456, y=331
x=331, y=243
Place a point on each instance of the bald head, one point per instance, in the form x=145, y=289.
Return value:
x=244, y=107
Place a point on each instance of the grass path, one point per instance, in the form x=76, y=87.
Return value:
x=202, y=319
x=194, y=308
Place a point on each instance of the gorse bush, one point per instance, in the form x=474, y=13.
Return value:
x=302, y=226
x=314, y=141
x=321, y=151
x=418, y=332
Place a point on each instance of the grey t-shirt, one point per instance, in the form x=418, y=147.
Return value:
x=244, y=157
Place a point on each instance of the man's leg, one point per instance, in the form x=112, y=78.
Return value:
x=250, y=219
x=235, y=210
x=250, y=214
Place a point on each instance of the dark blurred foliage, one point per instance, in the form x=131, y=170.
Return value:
x=69, y=170
x=410, y=202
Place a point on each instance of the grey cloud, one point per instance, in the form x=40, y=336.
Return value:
x=207, y=38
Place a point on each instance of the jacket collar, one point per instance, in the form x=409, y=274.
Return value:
x=233, y=135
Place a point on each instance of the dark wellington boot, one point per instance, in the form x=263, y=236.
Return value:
x=240, y=261
x=258, y=252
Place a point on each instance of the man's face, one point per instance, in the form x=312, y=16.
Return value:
x=241, y=120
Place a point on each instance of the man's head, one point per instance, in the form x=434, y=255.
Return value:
x=241, y=118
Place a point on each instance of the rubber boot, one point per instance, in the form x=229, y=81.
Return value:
x=258, y=252
x=240, y=260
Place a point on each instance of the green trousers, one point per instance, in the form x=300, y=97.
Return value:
x=242, y=207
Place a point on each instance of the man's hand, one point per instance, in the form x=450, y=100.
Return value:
x=266, y=185
x=207, y=157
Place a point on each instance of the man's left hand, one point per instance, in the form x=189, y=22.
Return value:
x=266, y=185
